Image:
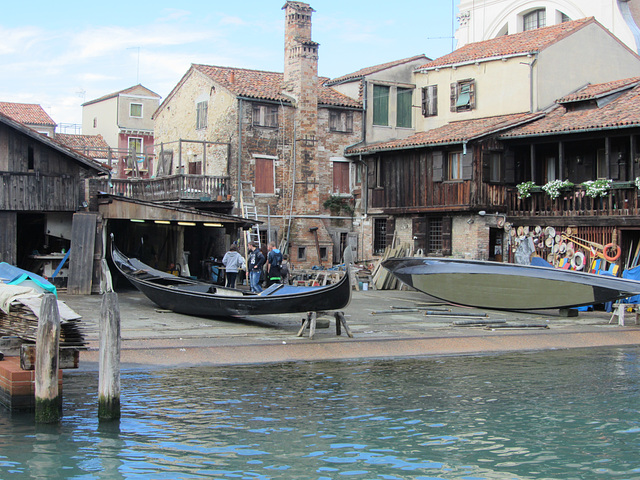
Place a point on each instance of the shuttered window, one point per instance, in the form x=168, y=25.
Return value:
x=380, y=105
x=463, y=95
x=201, y=115
x=430, y=101
x=404, y=98
x=264, y=181
x=340, y=121
x=265, y=115
x=341, y=183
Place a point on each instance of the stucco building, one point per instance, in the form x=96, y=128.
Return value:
x=479, y=21
x=124, y=120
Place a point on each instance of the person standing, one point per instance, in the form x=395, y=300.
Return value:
x=274, y=262
x=254, y=268
x=233, y=262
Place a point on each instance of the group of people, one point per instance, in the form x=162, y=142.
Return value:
x=273, y=268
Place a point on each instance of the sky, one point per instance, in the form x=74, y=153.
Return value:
x=61, y=54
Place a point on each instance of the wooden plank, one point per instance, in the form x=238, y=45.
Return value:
x=83, y=234
x=8, y=237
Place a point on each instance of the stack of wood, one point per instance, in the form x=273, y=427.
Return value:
x=385, y=280
x=23, y=323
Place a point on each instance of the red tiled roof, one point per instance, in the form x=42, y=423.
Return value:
x=624, y=111
x=531, y=41
x=93, y=146
x=27, y=113
x=267, y=85
x=122, y=92
x=598, y=90
x=454, y=132
x=375, y=68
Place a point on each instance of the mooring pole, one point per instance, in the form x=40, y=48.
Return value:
x=48, y=401
x=109, y=375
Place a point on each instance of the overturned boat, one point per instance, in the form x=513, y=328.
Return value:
x=506, y=286
x=192, y=297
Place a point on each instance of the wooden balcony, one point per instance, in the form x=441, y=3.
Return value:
x=621, y=200
x=169, y=188
x=32, y=191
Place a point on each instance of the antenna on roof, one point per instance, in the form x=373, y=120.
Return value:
x=138, y=64
x=81, y=92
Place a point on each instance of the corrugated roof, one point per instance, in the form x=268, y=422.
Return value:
x=451, y=133
x=27, y=113
x=374, y=69
x=531, y=41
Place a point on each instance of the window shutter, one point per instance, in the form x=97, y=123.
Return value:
x=509, y=167
x=419, y=231
x=333, y=121
x=486, y=167
x=425, y=107
x=437, y=166
x=472, y=94
x=454, y=96
x=433, y=110
x=349, y=121
x=467, y=165
x=256, y=114
x=391, y=228
x=446, y=236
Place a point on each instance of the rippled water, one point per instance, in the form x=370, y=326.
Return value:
x=561, y=415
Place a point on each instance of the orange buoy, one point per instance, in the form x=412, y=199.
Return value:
x=615, y=247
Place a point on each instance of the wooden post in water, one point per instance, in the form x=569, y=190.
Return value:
x=109, y=375
x=48, y=400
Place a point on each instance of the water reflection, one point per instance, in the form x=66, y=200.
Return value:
x=570, y=414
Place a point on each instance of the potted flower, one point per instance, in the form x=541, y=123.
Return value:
x=524, y=189
x=597, y=188
x=554, y=187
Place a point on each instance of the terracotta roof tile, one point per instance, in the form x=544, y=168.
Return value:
x=27, y=113
x=590, y=92
x=531, y=41
x=264, y=85
x=454, y=132
x=624, y=111
x=375, y=68
x=93, y=146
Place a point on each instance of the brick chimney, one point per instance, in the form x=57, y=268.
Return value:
x=301, y=84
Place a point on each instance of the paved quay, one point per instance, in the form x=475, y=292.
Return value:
x=152, y=337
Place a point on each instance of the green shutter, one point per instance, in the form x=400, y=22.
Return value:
x=380, y=105
x=403, y=113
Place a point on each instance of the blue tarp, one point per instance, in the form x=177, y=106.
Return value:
x=15, y=276
x=632, y=274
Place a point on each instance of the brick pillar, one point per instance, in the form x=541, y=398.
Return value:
x=301, y=84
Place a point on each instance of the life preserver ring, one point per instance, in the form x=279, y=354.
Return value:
x=609, y=258
x=575, y=264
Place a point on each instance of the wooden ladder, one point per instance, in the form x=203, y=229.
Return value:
x=249, y=210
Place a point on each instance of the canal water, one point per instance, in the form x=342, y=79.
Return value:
x=572, y=414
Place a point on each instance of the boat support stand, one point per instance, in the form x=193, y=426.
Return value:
x=310, y=322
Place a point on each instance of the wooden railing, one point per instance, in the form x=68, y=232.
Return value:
x=31, y=191
x=622, y=199
x=172, y=187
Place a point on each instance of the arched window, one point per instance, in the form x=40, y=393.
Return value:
x=534, y=19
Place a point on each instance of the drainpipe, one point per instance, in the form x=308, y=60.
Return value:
x=239, y=150
x=533, y=62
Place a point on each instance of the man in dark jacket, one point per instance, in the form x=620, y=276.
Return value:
x=254, y=267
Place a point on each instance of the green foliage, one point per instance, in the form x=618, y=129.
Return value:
x=336, y=204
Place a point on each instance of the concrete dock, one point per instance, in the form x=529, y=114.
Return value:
x=152, y=337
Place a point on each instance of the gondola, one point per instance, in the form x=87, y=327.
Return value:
x=506, y=286
x=193, y=297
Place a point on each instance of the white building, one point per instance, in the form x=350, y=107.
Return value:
x=486, y=19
